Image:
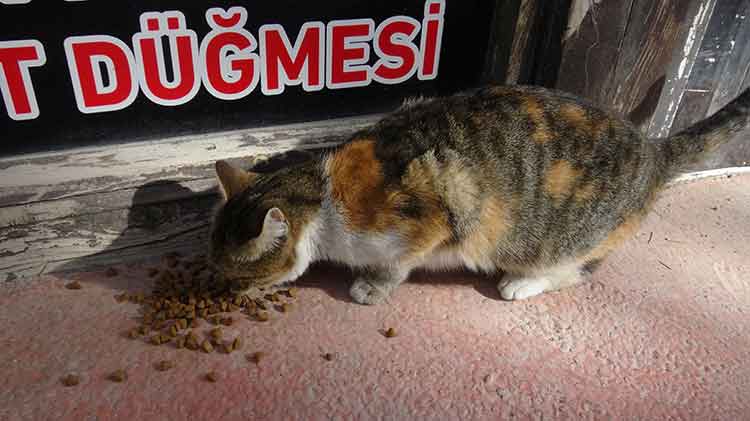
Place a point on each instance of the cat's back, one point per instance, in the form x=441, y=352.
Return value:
x=510, y=132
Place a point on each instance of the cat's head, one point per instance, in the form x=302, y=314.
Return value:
x=250, y=237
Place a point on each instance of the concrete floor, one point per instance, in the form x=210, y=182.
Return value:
x=663, y=331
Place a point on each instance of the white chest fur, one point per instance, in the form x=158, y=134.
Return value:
x=338, y=244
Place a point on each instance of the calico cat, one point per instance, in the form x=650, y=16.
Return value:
x=534, y=183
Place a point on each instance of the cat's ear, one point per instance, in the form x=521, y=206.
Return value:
x=275, y=228
x=232, y=180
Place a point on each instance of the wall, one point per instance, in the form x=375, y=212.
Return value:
x=663, y=64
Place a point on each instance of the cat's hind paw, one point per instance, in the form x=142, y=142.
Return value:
x=522, y=288
x=365, y=291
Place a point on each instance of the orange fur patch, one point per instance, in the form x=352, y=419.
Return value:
x=576, y=117
x=622, y=233
x=584, y=193
x=534, y=109
x=541, y=134
x=431, y=229
x=357, y=185
x=560, y=179
x=495, y=220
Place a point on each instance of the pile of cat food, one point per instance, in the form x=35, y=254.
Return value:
x=189, y=305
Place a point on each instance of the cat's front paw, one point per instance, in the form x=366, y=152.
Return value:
x=365, y=291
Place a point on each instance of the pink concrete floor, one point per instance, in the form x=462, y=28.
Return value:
x=663, y=331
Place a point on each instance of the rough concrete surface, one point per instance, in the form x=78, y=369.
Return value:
x=661, y=332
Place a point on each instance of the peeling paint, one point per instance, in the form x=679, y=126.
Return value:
x=138, y=158
x=578, y=11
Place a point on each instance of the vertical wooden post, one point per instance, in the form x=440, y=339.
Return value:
x=521, y=38
x=499, y=45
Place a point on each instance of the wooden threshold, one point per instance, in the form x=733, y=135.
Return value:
x=87, y=207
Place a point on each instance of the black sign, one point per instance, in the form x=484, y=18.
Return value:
x=76, y=73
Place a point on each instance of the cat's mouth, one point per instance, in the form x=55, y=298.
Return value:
x=241, y=284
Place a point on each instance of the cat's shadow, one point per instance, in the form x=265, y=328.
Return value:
x=158, y=203
x=486, y=285
x=158, y=211
x=335, y=280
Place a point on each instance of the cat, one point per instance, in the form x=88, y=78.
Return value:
x=530, y=183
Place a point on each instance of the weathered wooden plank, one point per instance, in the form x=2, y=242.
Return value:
x=540, y=61
x=43, y=177
x=78, y=240
x=153, y=192
x=679, y=69
x=746, y=81
x=713, y=64
x=655, y=30
x=592, y=48
x=621, y=54
x=19, y=216
x=737, y=36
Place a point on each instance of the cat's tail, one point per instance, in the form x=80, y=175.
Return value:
x=691, y=145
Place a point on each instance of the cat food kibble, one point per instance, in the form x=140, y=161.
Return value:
x=328, y=356
x=255, y=357
x=192, y=344
x=118, y=376
x=207, y=347
x=187, y=294
x=216, y=333
x=164, y=365
x=70, y=380
x=212, y=377
x=73, y=285
x=390, y=332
